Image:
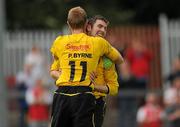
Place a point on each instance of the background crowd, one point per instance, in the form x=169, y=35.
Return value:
x=136, y=105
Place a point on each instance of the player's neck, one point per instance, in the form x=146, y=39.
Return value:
x=77, y=31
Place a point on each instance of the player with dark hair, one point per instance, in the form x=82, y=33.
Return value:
x=106, y=81
x=77, y=55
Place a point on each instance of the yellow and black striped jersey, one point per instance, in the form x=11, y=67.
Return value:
x=78, y=55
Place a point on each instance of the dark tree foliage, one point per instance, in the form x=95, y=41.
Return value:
x=52, y=14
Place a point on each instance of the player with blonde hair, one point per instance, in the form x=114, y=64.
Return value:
x=77, y=55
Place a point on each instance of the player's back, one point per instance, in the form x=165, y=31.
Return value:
x=78, y=55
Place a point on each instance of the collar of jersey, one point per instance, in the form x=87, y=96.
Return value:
x=77, y=37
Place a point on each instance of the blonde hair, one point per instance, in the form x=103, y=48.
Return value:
x=77, y=17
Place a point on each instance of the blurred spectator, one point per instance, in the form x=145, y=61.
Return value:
x=36, y=62
x=38, y=99
x=24, y=78
x=175, y=70
x=150, y=115
x=33, y=69
x=23, y=81
x=126, y=79
x=171, y=92
x=172, y=113
x=139, y=58
x=127, y=102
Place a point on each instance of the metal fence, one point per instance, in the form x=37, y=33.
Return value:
x=170, y=42
x=19, y=43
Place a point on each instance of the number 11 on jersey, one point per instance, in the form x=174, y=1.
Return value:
x=72, y=72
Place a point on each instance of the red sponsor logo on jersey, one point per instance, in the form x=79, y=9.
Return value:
x=77, y=47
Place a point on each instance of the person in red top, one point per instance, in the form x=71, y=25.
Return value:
x=150, y=115
x=139, y=58
x=38, y=99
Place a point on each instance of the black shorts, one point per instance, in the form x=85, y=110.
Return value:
x=73, y=107
x=99, y=114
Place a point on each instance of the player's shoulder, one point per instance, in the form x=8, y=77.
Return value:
x=59, y=39
x=99, y=40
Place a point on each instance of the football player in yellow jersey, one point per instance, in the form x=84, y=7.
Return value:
x=77, y=55
x=106, y=78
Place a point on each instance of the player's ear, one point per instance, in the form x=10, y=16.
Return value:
x=88, y=27
x=70, y=29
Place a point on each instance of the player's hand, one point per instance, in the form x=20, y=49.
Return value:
x=55, y=74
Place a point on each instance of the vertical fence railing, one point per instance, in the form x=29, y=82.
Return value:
x=170, y=42
x=18, y=44
x=3, y=91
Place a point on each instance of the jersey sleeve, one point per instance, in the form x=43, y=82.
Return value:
x=110, y=77
x=107, y=63
x=54, y=46
x=114, y=55
x=108, y=50
x=55, y=65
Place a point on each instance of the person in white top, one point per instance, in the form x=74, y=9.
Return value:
x=36, y=62
x=150, y=114
x=171, y=92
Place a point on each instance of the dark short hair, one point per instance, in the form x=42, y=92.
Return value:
x=92, y=20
